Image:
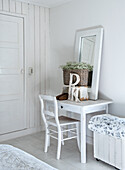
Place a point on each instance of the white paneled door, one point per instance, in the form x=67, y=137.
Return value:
x=12, y=76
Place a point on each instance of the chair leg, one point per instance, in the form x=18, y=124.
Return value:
x=62, y=138
x=47, y=139
x=59, y=145
x=78, y=140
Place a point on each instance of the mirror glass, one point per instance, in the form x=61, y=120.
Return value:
x=86, y=55
x=88, y=47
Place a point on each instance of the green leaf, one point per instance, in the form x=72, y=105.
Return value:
x=77, y=65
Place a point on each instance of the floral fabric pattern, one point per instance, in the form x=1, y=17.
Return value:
x=12, y=158
x=108, y=125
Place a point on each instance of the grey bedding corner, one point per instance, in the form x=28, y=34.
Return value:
x=12, y=158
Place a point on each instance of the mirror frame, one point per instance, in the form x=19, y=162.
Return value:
x=87, y=32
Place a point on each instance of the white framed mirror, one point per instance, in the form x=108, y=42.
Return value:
x=88, y=48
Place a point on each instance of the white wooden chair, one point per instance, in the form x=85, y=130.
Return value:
x=51, y=119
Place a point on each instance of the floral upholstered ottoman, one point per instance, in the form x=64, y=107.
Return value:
x=109, y=139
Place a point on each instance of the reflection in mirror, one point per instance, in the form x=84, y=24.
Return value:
x=87, y=47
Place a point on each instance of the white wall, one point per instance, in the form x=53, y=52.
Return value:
x=78, y=14
x=37, y=47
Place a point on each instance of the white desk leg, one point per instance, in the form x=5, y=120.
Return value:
x=83, y=137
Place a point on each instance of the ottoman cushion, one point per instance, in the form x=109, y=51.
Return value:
x=108, y=124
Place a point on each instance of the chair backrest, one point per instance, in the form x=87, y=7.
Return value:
x=45, y=111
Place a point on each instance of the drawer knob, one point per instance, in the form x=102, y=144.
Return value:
x=61, y=107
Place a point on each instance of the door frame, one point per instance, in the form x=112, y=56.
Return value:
x=25, y=95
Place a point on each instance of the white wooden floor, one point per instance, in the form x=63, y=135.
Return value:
x=70, y=156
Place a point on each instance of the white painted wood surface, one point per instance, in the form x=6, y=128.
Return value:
x=31, y=27
x=12, y=86
x=83, y=108
x=37, y=62
x=47, y=3
x=12, y=6
x=1, y=4
x=109, y=150
x=36, y=38
x=5, y=5
x=61, y=126
x=18, y=7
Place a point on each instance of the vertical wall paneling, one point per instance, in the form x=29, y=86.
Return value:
x=6, y=5
x=25, y=12
x=1, y=4
x=18, y=7
x=24, y=8
x=37, y=47
x=37, y=66
x=42, y=51
x=12, y=6
x=31, y=63
x=47, y=42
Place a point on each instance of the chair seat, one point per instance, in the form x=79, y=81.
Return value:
x=63, y=120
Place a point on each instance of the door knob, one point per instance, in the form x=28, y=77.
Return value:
x=22, y=71
x=30, y=71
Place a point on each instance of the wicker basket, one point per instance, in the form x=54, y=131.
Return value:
x=83, y=73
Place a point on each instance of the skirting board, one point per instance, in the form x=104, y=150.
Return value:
x=31, y=131
x=20, y=133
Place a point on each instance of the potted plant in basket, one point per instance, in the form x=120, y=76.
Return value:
x=84, y=70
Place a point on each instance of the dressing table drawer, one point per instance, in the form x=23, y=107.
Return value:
x=70, y=108
x=62, y=107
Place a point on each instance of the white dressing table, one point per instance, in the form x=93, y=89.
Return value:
x=84, y=108
x=86, y=38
